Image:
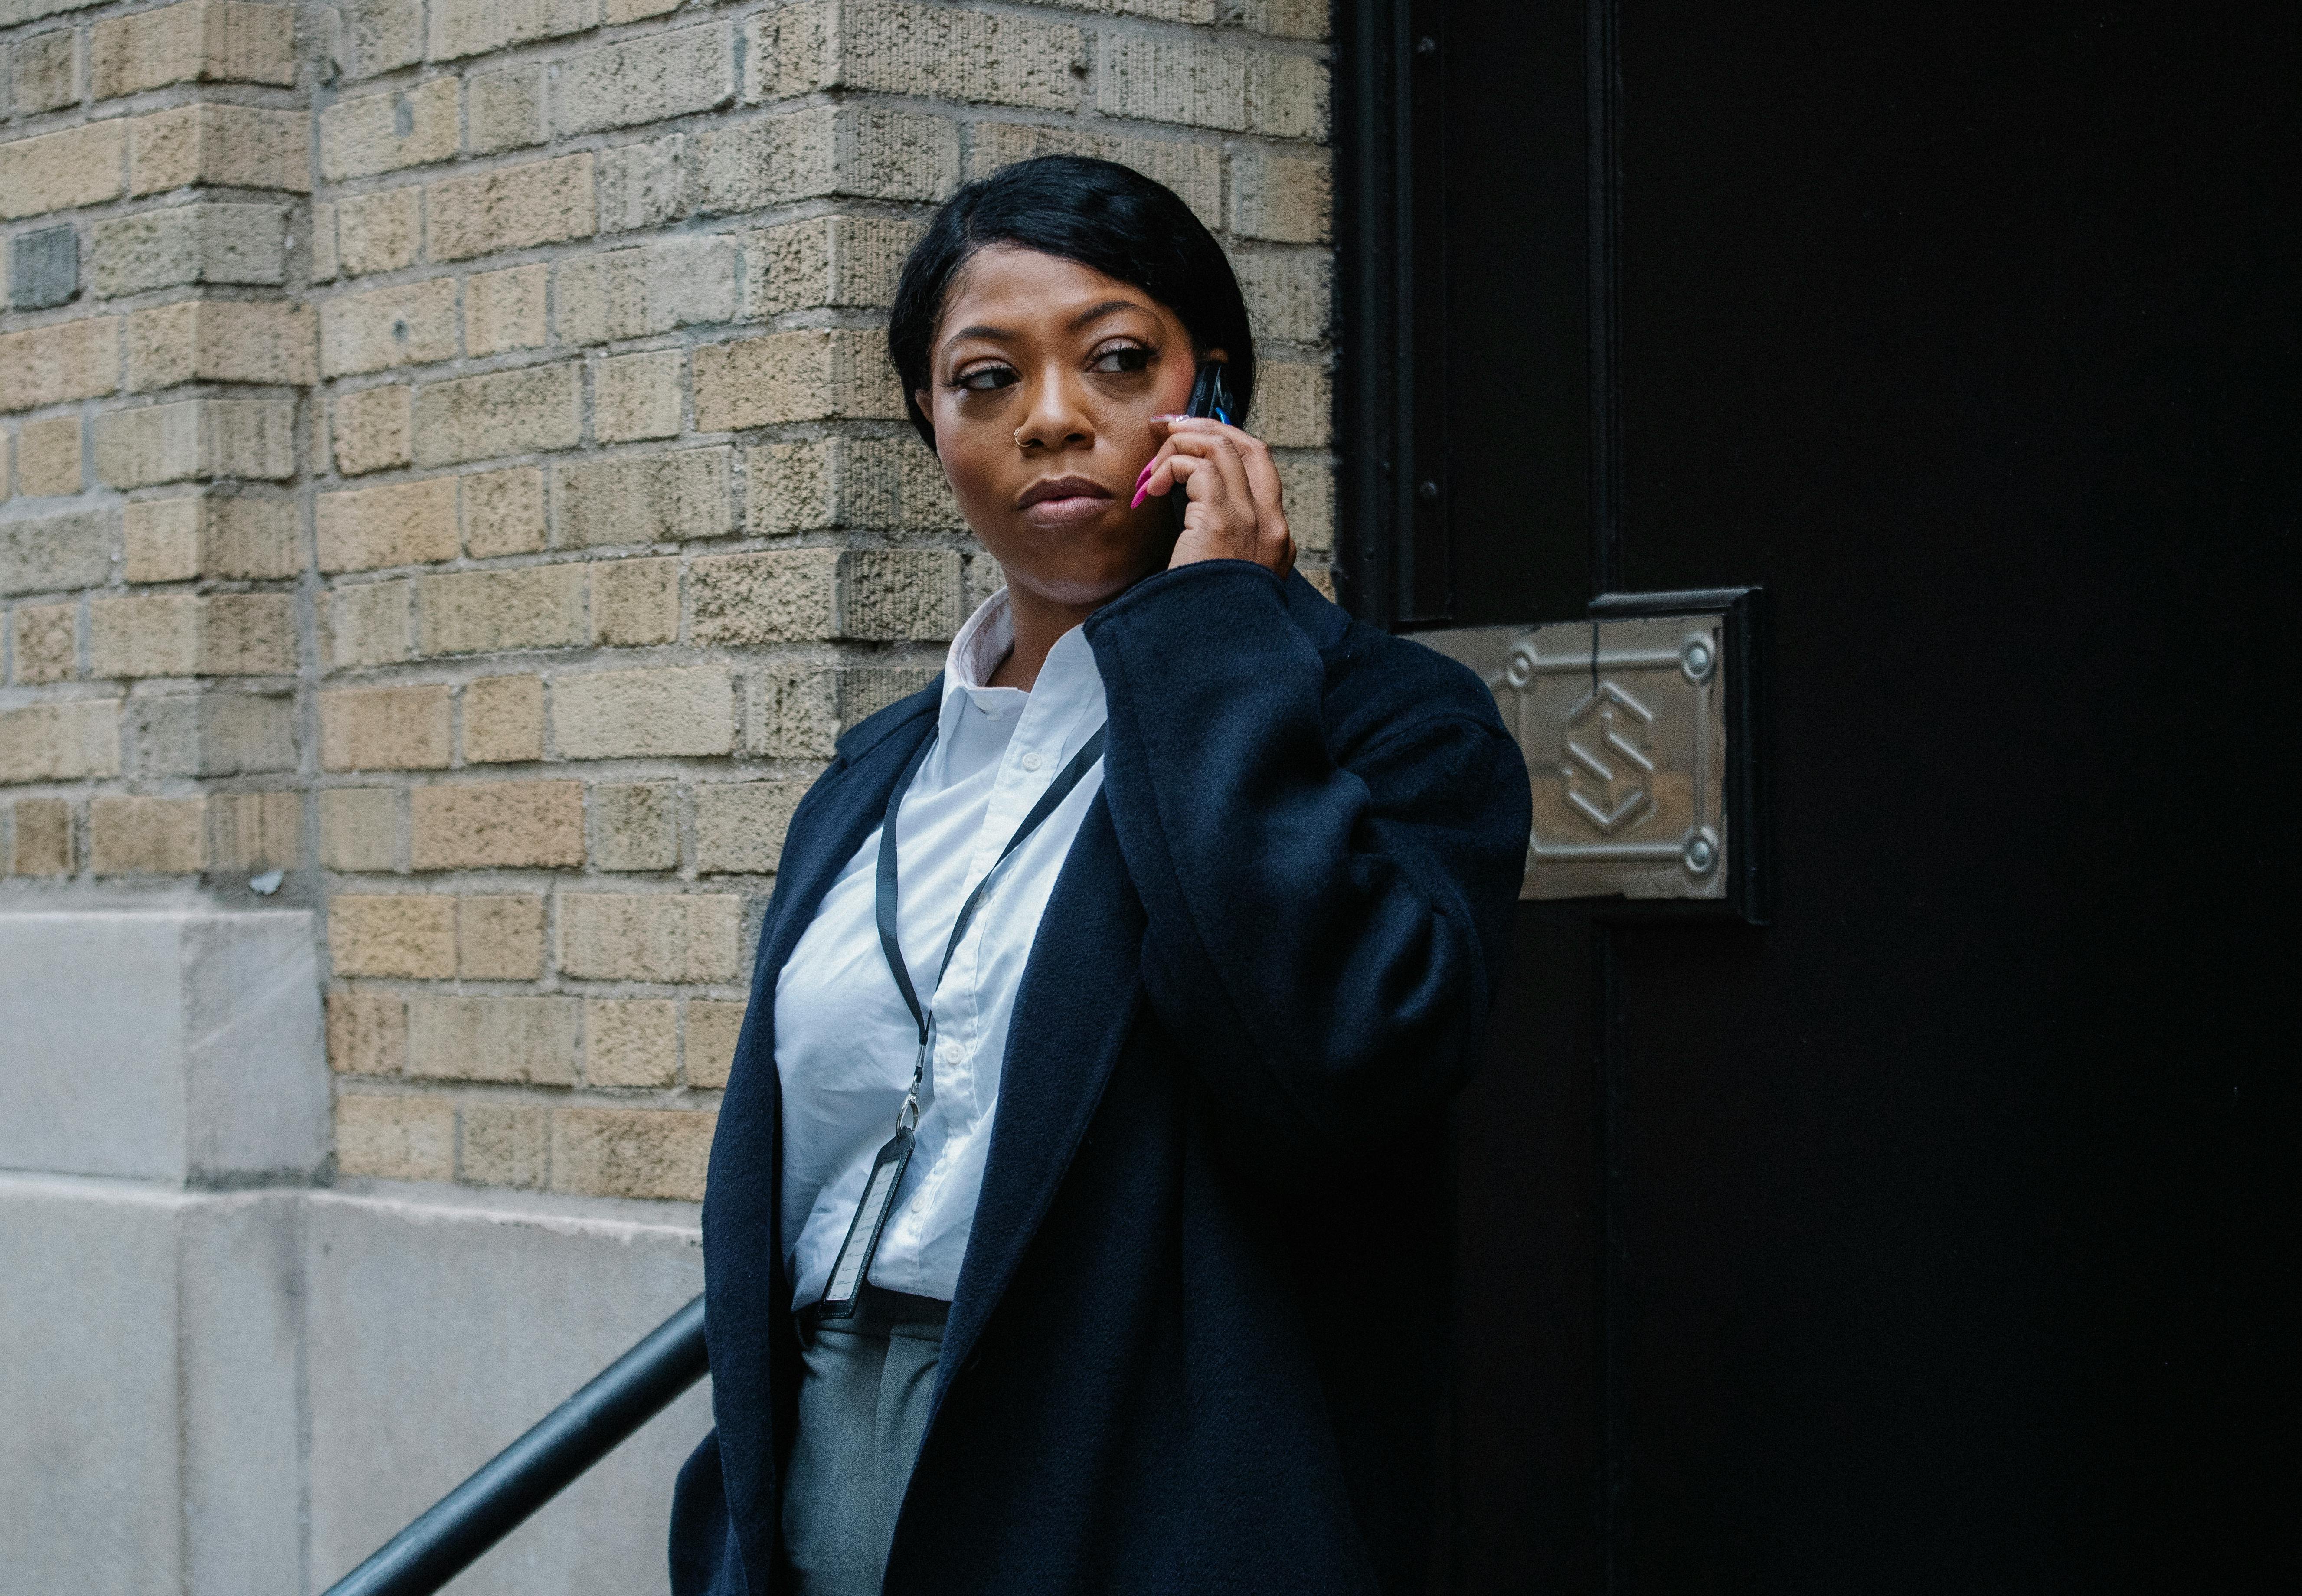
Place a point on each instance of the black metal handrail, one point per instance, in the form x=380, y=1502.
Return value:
x=450, y=1536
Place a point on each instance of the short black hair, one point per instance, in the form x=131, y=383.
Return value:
x=1104, y=215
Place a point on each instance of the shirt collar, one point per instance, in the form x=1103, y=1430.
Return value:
x=982, y=644
x=1069, y=683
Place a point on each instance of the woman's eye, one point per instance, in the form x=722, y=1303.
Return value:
x=1127, y=359
x=984, y=379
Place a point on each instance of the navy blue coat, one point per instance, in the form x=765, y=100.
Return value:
x=1190, y=1348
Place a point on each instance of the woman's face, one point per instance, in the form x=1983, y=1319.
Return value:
x=1044, y=378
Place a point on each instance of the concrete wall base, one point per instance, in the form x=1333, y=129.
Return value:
x=181, y=1045
x=449, y=1321
x=222, y=1394
x=219, y=1380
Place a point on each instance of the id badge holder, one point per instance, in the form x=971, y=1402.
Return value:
x=853, y=1265
x=863, y=1230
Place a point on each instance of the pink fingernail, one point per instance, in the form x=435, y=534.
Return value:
x=1136, y=503
x=1143, y=475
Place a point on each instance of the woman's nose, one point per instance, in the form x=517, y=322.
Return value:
x=1056, y=417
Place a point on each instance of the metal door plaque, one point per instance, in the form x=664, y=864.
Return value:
x=1624, y=724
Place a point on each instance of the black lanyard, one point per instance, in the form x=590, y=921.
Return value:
x=856, y=1252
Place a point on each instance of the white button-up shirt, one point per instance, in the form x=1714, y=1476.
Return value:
x=845, y=1042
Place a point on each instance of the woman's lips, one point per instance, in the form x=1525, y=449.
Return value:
x=1066, y=511
x=1063, y=501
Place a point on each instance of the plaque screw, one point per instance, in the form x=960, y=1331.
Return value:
x=1700, y=854
x=1696, y=660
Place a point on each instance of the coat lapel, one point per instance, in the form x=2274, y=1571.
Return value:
x=747, y=1307
x=1079, y=990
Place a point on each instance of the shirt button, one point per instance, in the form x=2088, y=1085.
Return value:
x=1031, y=761
x=950, y=1054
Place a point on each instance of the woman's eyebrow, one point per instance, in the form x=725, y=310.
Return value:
x=997, y=334
x=1095, y=311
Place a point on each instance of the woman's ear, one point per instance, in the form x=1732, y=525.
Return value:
x=920, y=396
x=935, y=440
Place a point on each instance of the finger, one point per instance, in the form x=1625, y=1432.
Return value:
x=1152, y=482
x=1180, y=428
x=1155, y=480
x=1215, y=466
x=1204, y=425
x=1142, y=477
x=1225, y=455
x=1184, y=447
x=1159, y=434
x=1208, y=498
x=1190, y=468
x=1269, y=496
x=1261, y=473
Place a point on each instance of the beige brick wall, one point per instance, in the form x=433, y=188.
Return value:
x=462, y=474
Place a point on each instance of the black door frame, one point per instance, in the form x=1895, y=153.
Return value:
x=1555, y=1526
x=1393, y=565
x=1374, y=216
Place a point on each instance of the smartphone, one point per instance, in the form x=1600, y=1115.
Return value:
x=1210, y=396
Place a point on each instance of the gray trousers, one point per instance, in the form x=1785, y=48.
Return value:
x=862, y=1410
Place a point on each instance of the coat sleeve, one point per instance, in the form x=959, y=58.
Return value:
x=705, y=1560
x=1326, y=924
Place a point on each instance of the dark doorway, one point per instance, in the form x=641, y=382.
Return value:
x=1925, y=1237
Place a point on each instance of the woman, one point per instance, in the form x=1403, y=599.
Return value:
x=1068, y=1251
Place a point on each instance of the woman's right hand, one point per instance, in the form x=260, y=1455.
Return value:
x=1236, y=510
